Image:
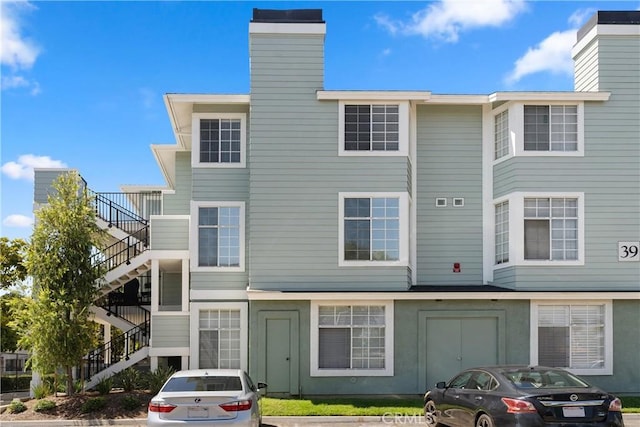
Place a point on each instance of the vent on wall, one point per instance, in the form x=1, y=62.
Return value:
x=458, y=202
x=441, y=202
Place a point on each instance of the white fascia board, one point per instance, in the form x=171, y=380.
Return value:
x=458, y=99
x=604, y=30
x=549, y=96
x=207, y=98
x=132, y=188
x=254, y=295
x=287, y=28
x=356, y=95
x=218, y=295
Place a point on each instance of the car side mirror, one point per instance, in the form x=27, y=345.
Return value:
x=441, y=385
x=262, y=385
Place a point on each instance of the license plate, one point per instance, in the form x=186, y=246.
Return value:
x=197, y=412
x=573, y=411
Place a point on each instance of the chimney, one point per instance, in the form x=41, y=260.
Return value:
x=607, y=53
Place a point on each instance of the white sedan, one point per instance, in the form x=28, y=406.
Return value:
x=212, y=397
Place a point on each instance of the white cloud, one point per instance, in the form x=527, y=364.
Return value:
x=16, y=220
x=23, y=168
x=446, y=19
x=580, y=16
x=16, y=82
x=553, y=55
x=16, y=50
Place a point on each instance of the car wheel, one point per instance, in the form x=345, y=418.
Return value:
x=430, y=415
x=484, y=420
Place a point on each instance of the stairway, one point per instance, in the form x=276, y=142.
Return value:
x=125, y=260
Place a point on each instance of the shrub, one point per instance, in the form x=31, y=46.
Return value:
x=16, y=406
x=78, y=386
x=129, y=379
x=42, y=390
x=105, y=385
x=130, y=403
x=157, y=378
x=44, y=405
x=93, y=404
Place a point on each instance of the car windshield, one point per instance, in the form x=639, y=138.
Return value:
x=543, y=378
x=231, y=383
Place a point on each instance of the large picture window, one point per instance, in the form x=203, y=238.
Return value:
x=573, y=335
x=551, y=229
x=550, y=128
x=374, y=228
x=350, y=338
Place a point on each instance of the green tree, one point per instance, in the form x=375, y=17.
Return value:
x=57, y=325
x=12, y=268
x=8, y=334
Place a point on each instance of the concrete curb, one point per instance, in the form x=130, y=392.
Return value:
x=630, y=420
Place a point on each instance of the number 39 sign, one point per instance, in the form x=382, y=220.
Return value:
x=628, y=251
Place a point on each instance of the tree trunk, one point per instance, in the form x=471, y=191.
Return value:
x=70, y=389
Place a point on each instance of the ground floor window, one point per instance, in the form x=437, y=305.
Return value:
x=576, y=335
x=219, y=335
x=348, y=339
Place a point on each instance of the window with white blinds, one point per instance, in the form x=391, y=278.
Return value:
x=572, y=336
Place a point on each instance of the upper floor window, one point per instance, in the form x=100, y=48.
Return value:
x=550, y=128
x=373, y=128
x=218, y=140
x=374, y=228
x=551, y=228
x=218, y=236
x=539, y=229
x=501, y=134
x=502, y=232
x=536, y=129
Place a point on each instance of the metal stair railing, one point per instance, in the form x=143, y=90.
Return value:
x=123, y=251
x=119, y=348
x=111, y=207
x=134, y=314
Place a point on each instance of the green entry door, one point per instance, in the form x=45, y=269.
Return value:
x=454, y=344
x=281, y=355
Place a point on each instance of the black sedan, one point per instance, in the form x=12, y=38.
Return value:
x=520, y=396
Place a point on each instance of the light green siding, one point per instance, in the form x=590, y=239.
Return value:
x=449, y=165
x=608, y=175
x=178, y=203
x=586, y=68
x=169, y=233
x=170, y=331
x=218, y=281
x=43, y=181
x=296, y=174
x=171, y=291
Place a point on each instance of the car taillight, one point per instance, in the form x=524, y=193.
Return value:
x=615, y=405
x=517, y=406
x=240, y=405
x=160, y=407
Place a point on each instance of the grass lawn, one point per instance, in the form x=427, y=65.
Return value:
x=369, y=407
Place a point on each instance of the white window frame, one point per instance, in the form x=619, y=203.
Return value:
x=195, y=139
x=193, y=237
x=506, y=232
x=403, y=244
x=403, y=129
x=608, y=332
x=516, y=130
x=194, y=323
x=315, y=343
x=516, y=229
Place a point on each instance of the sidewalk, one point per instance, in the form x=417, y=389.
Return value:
x=630, y=420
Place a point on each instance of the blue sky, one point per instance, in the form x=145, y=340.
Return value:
x=82, y=82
